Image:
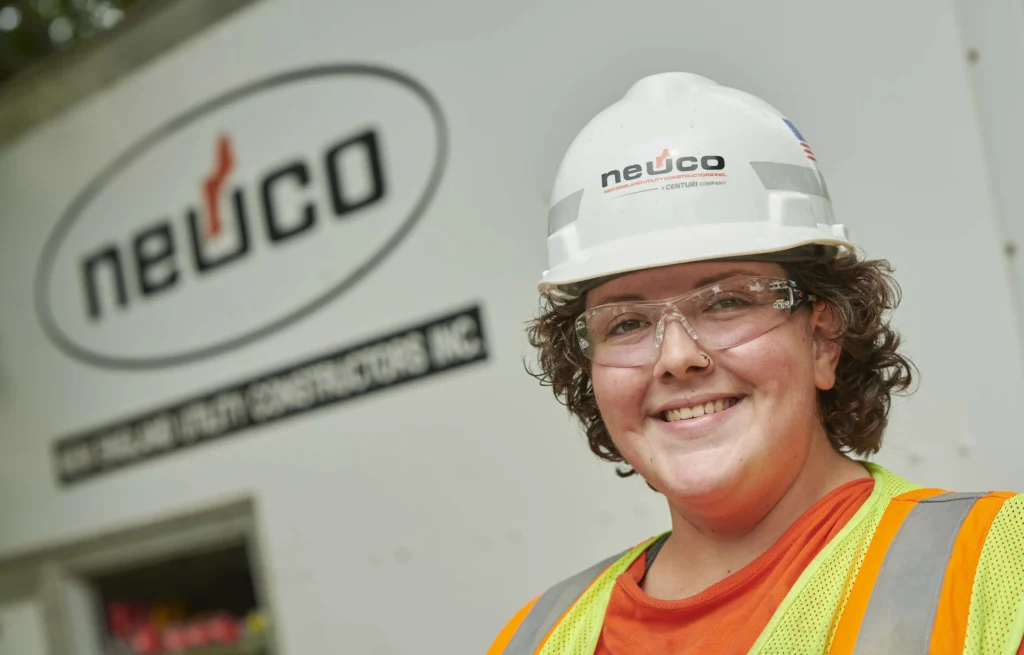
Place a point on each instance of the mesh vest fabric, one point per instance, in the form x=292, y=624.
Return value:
x=995, y=623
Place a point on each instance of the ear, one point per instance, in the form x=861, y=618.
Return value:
x=826, y=328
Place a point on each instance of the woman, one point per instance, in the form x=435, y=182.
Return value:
x=714, y=330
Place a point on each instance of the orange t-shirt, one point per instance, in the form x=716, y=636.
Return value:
x=729, y=616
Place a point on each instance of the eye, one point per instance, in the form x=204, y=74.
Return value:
x=725, y=303
x=626, y=326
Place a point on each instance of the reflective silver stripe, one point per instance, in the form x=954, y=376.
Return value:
x=901, y=611
x=564, y=212
x=789, y=177
x=551, y=606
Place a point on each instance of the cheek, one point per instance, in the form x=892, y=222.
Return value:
x=779, y=369
x=620, y=395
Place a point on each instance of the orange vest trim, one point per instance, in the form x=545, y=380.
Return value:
x=506, y=634
x=950, y=631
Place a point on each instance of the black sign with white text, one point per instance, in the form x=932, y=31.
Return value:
x=442, y=344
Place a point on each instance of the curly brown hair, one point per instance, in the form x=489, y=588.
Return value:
x=854, y=412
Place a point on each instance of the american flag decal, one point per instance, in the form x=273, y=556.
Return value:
x=800, y=138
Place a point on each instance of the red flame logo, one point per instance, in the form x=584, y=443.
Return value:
x=224, y=163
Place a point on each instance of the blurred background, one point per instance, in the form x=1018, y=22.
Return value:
x=265, y=268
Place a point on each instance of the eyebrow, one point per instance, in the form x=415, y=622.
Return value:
x=620, y=298
x=704, y=281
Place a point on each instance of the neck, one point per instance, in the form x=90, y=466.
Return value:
x=706, y=548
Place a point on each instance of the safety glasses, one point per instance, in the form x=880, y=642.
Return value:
x=720, y=315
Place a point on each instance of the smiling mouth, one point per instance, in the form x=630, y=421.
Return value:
x=696, y=411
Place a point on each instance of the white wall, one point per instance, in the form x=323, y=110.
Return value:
x=418, y=519
x=991, y=32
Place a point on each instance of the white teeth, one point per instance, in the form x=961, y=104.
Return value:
x=700, y=410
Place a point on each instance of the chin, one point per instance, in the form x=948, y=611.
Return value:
x=699, y=476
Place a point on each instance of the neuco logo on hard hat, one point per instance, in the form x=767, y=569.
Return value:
x=659, y=169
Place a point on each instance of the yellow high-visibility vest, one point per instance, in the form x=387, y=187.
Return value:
x=915, y=571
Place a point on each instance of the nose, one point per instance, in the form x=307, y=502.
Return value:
x=679, y=354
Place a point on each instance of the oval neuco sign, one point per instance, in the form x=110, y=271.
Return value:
x=240, y=216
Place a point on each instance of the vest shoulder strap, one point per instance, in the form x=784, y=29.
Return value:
x=917, y=584
x=542, y=616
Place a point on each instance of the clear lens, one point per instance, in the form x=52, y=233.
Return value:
x=720, y=315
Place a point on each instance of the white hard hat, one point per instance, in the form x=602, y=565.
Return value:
x=682, y=169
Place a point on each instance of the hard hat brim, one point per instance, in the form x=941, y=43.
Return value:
x=732, y=241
